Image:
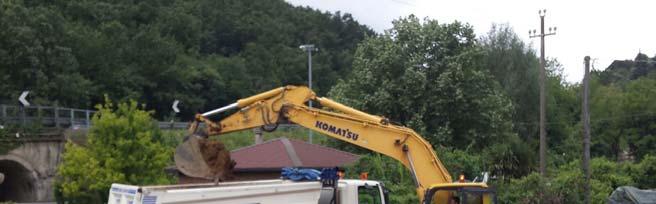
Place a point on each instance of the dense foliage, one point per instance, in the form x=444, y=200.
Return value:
x=122, y=147
x=567, y=185
x=204, y=53
x=429, y=77
x=394, y=175
x=476, y=101
x=624, y=118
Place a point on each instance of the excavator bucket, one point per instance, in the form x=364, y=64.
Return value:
x=202, y=158
x=189, y=158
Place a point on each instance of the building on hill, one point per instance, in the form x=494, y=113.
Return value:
x=621, y=71
x=265, y=160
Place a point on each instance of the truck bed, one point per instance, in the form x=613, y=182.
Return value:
x=242, y=192
x=264, y=192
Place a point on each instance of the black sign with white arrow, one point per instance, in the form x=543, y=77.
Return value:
x=23, y=99
x=175, y=106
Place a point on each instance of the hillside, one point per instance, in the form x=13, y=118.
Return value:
x=203, y=52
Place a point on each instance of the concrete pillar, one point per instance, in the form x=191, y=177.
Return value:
x=38, y=111
x=72, y=117
x=88, y=123
x=3, y=109
x=56, y=116
x=22, y=108
x=258, y=135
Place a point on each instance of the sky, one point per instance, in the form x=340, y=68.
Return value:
x=604, y=30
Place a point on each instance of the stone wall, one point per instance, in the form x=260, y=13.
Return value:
x=30, y=171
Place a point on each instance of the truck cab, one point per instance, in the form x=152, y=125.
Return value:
x=349, y=191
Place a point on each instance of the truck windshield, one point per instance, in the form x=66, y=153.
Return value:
x=369, y=195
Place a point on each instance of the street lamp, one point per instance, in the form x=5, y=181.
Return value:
x=309, y=48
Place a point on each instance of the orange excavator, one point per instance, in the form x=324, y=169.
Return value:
x=287, y=104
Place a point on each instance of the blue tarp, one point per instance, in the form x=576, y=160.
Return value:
x=632, y=195
x=329, y=174
x=296, y=174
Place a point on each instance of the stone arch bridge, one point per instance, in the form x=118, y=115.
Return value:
x=29, y=167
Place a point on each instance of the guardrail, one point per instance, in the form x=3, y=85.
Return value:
x=59, y=117
x=172, y=125
x=46, y=115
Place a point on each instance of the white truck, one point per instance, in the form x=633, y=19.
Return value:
x=250, y=192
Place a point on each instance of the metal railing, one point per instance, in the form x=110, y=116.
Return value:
x=172, y=125
x=60, y=117
x=185, y=125
x=48, y=116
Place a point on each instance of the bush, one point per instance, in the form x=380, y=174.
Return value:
x=524, y=190
x=566, y=183
x=123, y=147
x=645, y=172
x=460, y=162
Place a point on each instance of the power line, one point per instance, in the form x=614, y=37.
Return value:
x=404, y=3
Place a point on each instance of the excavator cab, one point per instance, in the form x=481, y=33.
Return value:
x=462, y=193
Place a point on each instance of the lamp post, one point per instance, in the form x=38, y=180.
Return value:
x=309, y=48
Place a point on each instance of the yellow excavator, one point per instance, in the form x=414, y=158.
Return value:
x=288, y=105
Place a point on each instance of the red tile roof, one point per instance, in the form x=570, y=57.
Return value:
x=282, y=152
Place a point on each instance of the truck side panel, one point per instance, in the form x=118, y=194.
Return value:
x=263, y=194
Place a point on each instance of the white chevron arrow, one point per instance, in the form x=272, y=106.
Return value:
x=175, y=106
x=22, y=98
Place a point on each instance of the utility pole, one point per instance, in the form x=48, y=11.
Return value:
x=586, y=130
x=543, y=105
x=309, y=48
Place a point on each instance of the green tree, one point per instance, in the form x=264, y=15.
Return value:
x=204, y=53
x=606, y=104
x=563, y=114
x=639, y=117
x=428, y=76
x=35, y=57
x=123, y=147
x=623, y=117
x=515, y=66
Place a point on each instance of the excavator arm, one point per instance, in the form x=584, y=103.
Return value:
x=287, y=104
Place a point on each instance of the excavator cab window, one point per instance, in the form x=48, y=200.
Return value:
x=467, y=195
x=369, y=194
